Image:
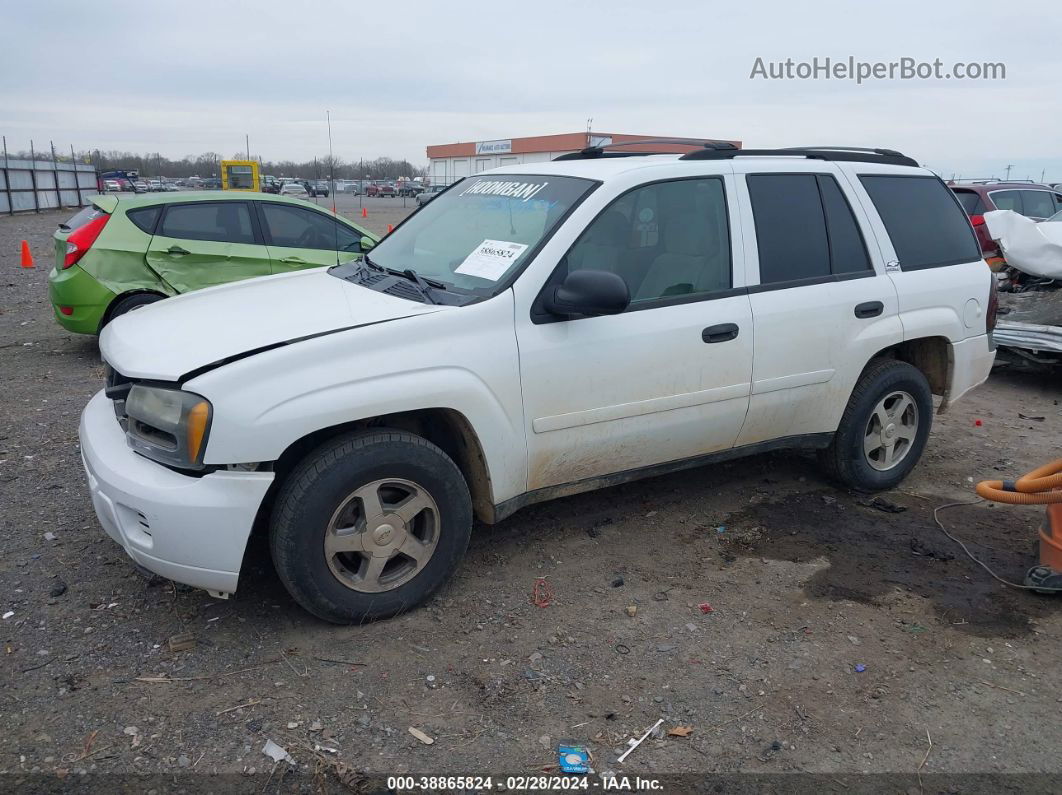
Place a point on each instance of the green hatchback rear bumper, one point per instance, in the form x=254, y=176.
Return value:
x=82, y=296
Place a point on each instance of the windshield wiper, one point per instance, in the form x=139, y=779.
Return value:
x=417, y=279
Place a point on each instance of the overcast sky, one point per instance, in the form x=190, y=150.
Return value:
x=186, y=77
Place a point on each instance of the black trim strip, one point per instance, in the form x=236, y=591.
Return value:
x=812, y=280
x=814, y=441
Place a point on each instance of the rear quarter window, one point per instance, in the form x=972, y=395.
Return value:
x=971, y=201
x=927, y=225
x=145, y=218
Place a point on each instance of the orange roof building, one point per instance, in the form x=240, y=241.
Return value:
x=450, y=162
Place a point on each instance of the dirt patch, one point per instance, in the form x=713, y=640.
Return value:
x=872, y=553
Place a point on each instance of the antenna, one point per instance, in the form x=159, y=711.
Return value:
x=332, y=181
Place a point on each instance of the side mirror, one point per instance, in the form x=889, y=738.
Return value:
x=590, y=293
x=367, y=243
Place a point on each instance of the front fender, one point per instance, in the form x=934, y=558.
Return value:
x=266, y=402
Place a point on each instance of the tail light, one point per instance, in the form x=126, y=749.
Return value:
x=977, y=220
x=81, y=240
x=993, y=305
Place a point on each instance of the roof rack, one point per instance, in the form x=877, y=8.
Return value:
x=846, y=153
x=593, y=152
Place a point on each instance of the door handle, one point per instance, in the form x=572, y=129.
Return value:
x=724, y=332
x=176, y=250
x=296, y=260
x=869, y=309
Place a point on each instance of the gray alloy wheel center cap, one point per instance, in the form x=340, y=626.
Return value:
x=383, y=535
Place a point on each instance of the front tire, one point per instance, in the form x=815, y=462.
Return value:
x=884, y=428
x=369, y=525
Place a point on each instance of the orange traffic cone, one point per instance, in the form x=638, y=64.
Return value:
x=27, y=257
x=390, y=228
x=364, y=212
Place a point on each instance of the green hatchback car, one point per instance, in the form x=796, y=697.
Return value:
x=119, y=253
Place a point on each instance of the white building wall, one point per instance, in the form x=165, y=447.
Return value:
x=445, y=170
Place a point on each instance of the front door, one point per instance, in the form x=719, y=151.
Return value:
x=666, y=380
x=203, y=244
x=298, y=237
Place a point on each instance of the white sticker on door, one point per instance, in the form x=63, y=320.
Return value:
x=491, y=259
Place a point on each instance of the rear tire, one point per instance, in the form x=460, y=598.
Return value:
x=369, y=525
x=884, y=428
x=129, y=303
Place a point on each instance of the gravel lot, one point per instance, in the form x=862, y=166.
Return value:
x=805, y=581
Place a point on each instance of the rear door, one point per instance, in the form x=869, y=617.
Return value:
x=821, y=303
x=932, y=254
x=202, y=244
x=298, y=237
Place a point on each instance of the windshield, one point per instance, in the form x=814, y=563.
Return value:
x=480, y=231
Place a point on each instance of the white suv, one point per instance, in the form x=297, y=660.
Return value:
x=537, y=331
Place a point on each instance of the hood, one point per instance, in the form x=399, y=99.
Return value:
x=169, y=339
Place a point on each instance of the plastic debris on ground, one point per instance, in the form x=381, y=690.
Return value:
x=277, y=752
x=541, y=593
x=634, y=743
x=859, y=668
x=421, y=735
x=706, y=608
x=573, y=758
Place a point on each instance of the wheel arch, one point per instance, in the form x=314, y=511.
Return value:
x=446, y=428
x=933, y=356
x=109, y=311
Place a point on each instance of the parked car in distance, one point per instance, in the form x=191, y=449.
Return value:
x=372, y=189
x=118, y=254
x=410, y=189
x=296, y=189
x=270, y=185
x=537, y=331
x=141, y=187
x=172, y=186
x=112, y=185
x=386, y=189
x=318, y=187
x=1025, y=198
x=426, y=196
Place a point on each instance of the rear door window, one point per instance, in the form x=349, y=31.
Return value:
x=295, y=227
x=145, y=218
x=1007, y=200
x=790, y=227
x=848, y=252
x=925, y=222
x=1037, y=203
x=805, y=228
x=220, y=222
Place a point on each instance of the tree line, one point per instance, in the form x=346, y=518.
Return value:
x=207, y=164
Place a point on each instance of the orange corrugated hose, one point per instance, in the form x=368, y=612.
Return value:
x=1042, y=486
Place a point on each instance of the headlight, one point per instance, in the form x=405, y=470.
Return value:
x=168, y=425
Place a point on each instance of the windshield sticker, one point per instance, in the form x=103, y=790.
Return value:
x=491, y=259
x=514, y=190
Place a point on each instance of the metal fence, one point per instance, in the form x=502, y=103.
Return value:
x=44, y=184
